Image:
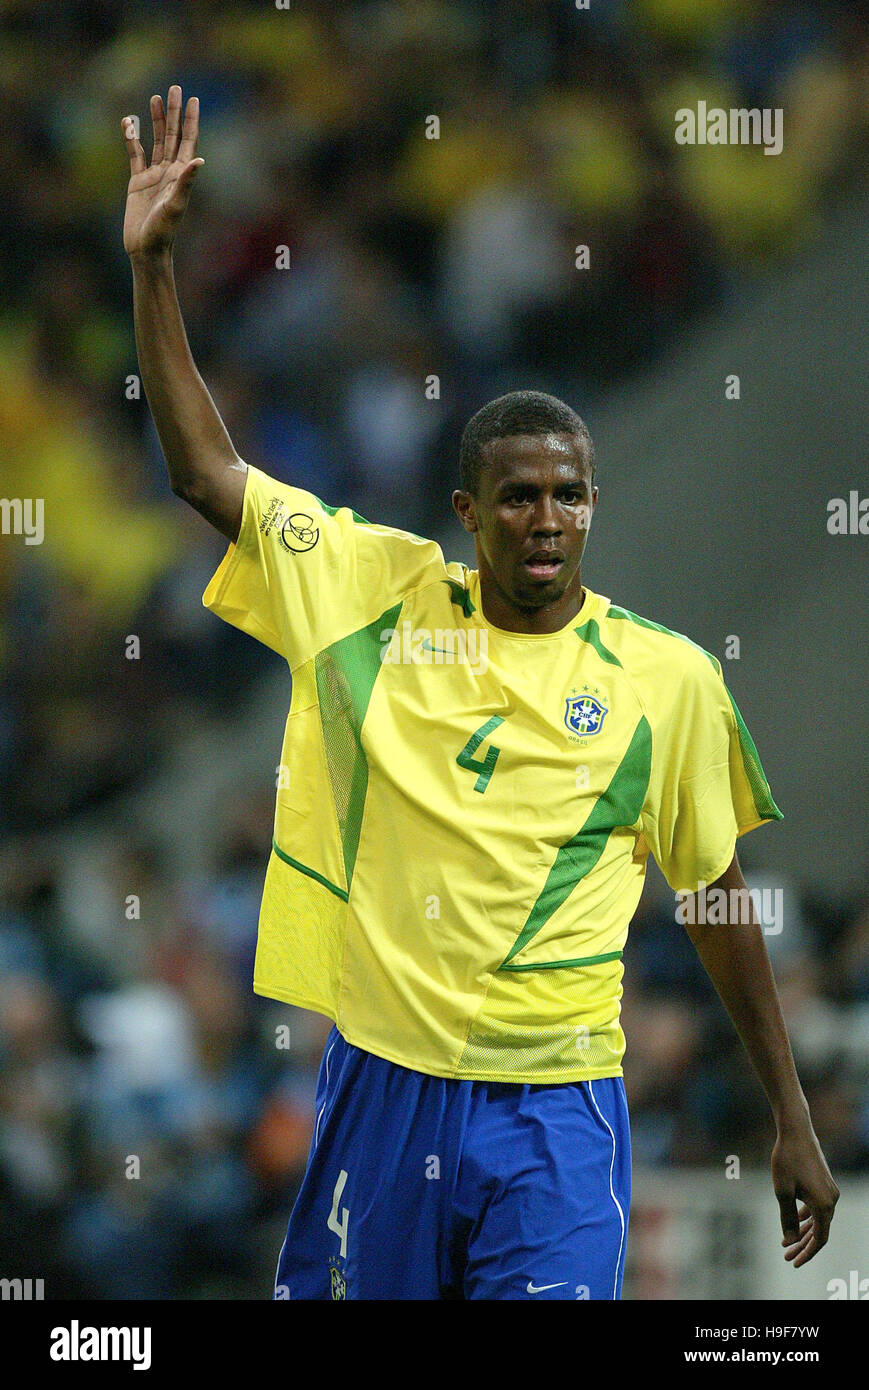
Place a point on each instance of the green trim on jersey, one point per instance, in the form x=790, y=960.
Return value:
x=460, y=596
x=359, y=520
x=590, y=632
x=333, y=511
x=346, y=672
x=311, y=873
x=614, y=612
x=567, y=964
x=764, y=804
x=620, y=804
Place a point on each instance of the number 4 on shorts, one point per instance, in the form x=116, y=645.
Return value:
x=339, y=1227
x=484, y=766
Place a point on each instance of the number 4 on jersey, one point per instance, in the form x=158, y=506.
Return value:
x=484, y=766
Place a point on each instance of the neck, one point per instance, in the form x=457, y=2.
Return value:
x=501, y=611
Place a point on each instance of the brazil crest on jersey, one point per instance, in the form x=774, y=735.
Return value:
x=464, y=814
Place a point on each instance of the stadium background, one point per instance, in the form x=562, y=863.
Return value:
x=154, y=777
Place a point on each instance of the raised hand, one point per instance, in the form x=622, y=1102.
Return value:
x=157, y=194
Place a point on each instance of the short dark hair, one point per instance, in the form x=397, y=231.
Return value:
x=519, y=412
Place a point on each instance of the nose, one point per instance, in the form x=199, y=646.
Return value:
x=545, y=519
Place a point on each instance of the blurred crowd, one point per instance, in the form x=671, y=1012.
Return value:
x=425, y=276
x=154, y=1115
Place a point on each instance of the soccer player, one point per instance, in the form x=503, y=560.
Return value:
x=477, y=765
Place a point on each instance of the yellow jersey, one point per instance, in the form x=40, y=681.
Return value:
x=464, y=814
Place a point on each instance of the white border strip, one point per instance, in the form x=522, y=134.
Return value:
x=612, y=1193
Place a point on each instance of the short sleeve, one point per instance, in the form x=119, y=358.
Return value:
x=302, y=574
x=707, y=785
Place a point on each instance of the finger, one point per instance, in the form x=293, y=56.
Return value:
x=822, y=1217
x=795, y=1250
x=179, y=193
x=815, y=1239
x=793, y=1257
x=190, y=133
x=138, y=163
x=811, y=1250
x=804, y=1226
x=789, y=1223
x=173, y=124
x=158, y=125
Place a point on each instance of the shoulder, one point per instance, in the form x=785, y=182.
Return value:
x=300, y=520
x=667, y=667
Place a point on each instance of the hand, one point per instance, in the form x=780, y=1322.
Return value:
x=799, y=1169
x=157, y=195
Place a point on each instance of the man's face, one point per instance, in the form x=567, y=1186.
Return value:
x=531, y=516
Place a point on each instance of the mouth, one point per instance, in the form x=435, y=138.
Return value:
x=543, y=565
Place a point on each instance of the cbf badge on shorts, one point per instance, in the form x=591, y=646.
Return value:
x=584, y=715
x=338, y=1285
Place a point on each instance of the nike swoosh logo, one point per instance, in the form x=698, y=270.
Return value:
x=538, y=1288
x=427, y=647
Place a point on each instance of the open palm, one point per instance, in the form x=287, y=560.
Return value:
x=157, y=194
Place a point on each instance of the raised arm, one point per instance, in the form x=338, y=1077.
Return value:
x=204, y=468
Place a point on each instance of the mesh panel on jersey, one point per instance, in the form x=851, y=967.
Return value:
x=345, y=673
x=345, y=758
x=514, y=1049
x=760, y=791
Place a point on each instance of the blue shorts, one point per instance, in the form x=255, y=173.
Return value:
x=418, y=1187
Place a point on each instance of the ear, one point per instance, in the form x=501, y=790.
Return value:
x=465, y=509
